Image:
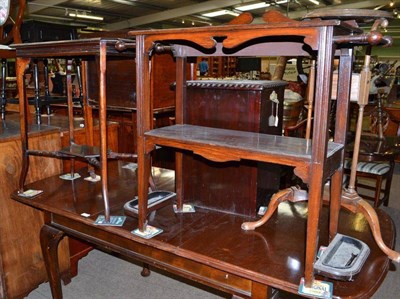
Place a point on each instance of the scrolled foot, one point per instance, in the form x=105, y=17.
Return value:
x=370, y=214
x=277, y=198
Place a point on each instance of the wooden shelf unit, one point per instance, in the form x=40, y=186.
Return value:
x=315, y=162
x=210, y=246
x=220, y=67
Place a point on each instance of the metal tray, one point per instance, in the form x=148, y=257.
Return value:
x=343, y=258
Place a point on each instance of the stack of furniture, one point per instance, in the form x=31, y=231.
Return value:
x=15, y=31
x=211, y=245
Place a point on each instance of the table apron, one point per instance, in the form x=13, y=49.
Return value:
x=187, y=268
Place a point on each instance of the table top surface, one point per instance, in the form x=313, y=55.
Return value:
x=394, y=110
x=95, y=40
x=272, y=254
x=71, y=48
x=10, y=129
x=374, y=148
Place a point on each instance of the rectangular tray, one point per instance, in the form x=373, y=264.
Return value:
x=343, y=258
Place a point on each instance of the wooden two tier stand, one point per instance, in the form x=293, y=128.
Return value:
x=315, y=161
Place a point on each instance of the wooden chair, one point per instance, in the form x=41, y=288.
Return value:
x=374, y=173
x=10, y=34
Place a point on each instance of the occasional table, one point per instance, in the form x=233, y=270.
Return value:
x=206, y=246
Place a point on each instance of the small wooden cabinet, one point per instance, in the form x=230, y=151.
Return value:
x=235, y=105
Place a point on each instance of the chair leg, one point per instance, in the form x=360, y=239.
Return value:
x=37, y=91
x=385, y=199
x=378, y=188
x=3, y=88
x=388, y=184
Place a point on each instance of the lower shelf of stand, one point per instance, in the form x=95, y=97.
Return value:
x=83, y=151
x=209, y=246
x=46, y=100
x=230, y=145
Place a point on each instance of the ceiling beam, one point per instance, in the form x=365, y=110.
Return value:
x=175, y=13
x=220, y=4
x=38, y=5
x=359, y=5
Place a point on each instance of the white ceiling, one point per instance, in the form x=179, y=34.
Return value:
x=123, y=14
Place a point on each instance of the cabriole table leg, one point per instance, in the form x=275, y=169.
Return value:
x=49, y=239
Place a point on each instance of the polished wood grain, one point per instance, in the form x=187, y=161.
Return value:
x=121, y=78
x=393, y=109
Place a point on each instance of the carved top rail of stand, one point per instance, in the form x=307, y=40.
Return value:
x=347, y=31
x=237, y=34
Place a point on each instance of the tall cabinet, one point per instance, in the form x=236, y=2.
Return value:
x=315, y=162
